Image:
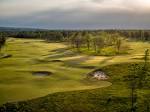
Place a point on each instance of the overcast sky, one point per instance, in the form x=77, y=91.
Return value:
x=75, y=14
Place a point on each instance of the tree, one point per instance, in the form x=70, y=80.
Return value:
x=146, y=36
x=98, y=43
x=146, y=103
x=77, y=40
x=87, y=39
x=144, y=70
x=137, y=80
x=94, y=43
x=146, y=58
x=142, y=35
x=118, y=44
x=132, y=81
x=118, y=41
x=2, y=42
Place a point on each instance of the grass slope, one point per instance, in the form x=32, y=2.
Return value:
x=69, y=73
x=17, y=81
x=115, y=98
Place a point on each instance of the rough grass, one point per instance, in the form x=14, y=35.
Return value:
x=17, y=82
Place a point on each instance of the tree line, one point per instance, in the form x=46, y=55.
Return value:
x=97, y=42
x=92, y=40
x=59, y=35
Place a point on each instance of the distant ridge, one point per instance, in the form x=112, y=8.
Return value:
x=20, y=29
x=8, y=29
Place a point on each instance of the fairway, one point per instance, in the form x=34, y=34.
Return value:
x=68, y=69
x=17, y=81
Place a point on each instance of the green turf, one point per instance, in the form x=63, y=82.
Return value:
x=115, y=98
x=68, y=74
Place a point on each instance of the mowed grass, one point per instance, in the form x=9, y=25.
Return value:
x=68, y=69
x=16, y=79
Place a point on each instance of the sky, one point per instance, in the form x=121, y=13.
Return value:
x=76, y=14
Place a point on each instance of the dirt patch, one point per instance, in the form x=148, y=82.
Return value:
x=42, y=73
x=98, y=75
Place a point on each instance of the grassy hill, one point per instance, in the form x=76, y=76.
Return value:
x=68, y=73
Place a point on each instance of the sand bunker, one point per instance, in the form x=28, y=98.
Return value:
x=98, y=74
x=42, y=73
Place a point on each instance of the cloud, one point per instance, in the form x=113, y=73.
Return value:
x=75, y=13
x=25, y=7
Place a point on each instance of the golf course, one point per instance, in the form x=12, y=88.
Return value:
x=68, y=70
x=74, y=55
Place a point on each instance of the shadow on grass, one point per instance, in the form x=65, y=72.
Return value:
x=106, y=60
x=77, y=62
